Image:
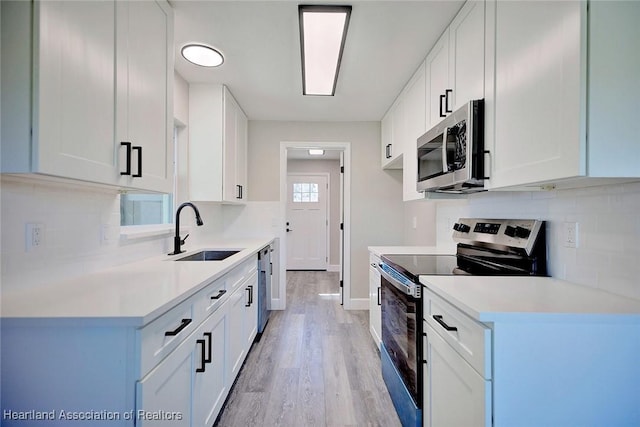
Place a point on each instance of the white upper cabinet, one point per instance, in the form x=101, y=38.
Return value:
x=437, y=86
x=217, y=145
x=391, y=128
x=547, y=123
x=414, y=126
x=455, y=65
x=79, y=79
x=145, y=91
x=466, y=54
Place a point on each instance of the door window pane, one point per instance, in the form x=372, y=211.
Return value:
x=305, y=192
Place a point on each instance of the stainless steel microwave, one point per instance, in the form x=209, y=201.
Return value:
x=451, y=154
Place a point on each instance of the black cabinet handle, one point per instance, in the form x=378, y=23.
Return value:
x=242, y=192
x=203, y=361
x=442, y=114
x=210, y=336
x=139, y=150
x=250, y=289
x=183, y=324
x=447, y=92
x=220, y=293
x=388, y=151
x=438, y=318
x=238, y=192
x=379, y=302
x=127, y=169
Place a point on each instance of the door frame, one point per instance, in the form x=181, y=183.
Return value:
x=345, y=147
x=327, y=238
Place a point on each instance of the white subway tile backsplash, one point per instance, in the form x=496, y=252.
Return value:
x=608, y=219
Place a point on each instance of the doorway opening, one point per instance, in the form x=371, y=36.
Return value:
x=339, y=221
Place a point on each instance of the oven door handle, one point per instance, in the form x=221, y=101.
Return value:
x=411, y=291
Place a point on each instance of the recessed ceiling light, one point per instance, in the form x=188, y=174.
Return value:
x=316, y=152
x=323, y=30
x=202, y=55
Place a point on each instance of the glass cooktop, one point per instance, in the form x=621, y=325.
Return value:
x=414, y=265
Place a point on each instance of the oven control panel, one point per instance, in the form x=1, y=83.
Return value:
x=515, y=233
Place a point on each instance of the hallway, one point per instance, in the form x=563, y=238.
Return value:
x=316, y=365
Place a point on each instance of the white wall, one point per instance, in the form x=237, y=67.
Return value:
x=608, y=253
x=376, y=195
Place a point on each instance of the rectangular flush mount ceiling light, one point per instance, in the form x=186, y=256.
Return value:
x=323, y=30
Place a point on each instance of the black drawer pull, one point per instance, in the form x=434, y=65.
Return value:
x=250, y=300
x=220, y=293
x=379, y=302
x=447, y=92
x=438, y=318
x=183, y=324
x=442, y=105
x=210, y=336
x=203, y=360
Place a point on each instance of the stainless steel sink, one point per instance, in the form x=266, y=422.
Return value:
x=211, y=255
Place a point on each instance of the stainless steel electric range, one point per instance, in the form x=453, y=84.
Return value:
x=485, y=247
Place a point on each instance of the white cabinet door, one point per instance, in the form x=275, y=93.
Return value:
x=415, y=126
x=241, y=154
x=74, y=87
x=466, y=54
x=455, y=394
x=537, y=93
x=392, y=135
x=145, y=82
x=437, y=72
x=236, y=335
x=217, y=145
x=167, y=388
x=210, y=387
x=251, y=311
x=230, y=132
x=375, y=314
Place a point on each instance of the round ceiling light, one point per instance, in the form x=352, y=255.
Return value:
x=202, y=55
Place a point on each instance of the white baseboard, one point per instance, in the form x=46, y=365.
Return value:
x=358, y=304
x=276, y=304
x=333, y=267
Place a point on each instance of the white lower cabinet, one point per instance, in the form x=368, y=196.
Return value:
x=461, y=397
x=243, y=322
x=176, y=370
x=210, y=385
x=375, y=313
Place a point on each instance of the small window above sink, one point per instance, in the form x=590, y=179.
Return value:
x=209, y=255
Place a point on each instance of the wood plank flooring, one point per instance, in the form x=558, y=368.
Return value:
x=316, y=365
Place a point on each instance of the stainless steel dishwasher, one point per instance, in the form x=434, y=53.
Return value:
x=264, y=287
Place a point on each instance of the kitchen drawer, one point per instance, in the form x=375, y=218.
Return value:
x=238, y=275
x=470, y=339
x=211, y=298
x=163, y=335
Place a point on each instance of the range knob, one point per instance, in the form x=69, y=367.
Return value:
x=463, y=228
x=510, y=231
x=520, y=232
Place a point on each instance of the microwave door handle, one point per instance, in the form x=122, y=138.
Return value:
x=445, y=164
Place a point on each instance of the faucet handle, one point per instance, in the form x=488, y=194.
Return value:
x=185, y=238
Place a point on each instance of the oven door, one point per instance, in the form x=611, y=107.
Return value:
x=402, y=334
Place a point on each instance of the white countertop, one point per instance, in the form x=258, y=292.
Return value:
x=495, y=299
x=131, y=294
x=411, y=250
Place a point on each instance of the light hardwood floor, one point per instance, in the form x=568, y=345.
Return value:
x=316, y=365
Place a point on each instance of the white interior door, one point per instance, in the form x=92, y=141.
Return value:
x=307, y=222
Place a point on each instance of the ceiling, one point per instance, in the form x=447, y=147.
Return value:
x=385, y=44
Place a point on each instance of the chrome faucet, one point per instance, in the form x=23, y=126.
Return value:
x=177, y=241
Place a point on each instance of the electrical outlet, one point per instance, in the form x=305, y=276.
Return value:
x=414, y=222
x=105, y=236
x=34, y=236
x=570, y=234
